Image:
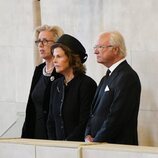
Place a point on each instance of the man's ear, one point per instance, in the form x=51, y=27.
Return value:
x=116, y=50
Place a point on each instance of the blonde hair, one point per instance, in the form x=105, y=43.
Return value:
x=56, y=31
x=116, y=39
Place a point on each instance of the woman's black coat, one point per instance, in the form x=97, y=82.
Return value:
x=29, y=123
x=70, y=108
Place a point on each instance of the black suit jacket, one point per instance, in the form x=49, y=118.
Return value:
x=114, y=115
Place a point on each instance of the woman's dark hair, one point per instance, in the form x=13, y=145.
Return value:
x=74, y=59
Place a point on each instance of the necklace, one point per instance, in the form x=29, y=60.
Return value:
x=68, y=80
x=49, y=70
x=46, y=73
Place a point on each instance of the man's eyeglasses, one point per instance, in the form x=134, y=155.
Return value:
x=44, y=42
x=101, y=47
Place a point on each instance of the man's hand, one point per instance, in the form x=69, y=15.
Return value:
x=88, y=138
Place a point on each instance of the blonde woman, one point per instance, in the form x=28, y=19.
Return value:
x=44, y=74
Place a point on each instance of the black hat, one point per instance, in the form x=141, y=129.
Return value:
x=74, y=44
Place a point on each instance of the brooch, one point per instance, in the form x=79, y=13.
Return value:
x=52, y=78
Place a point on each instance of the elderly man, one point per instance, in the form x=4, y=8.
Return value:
x=115, y=106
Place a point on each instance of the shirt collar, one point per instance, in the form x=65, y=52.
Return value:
x=113, y=67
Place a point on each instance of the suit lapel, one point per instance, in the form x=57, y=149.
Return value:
x=99, y=92
x=105, y=82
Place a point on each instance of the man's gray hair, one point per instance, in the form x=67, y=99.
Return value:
x=116, y=39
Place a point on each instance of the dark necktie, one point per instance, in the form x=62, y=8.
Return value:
x=101, y=89
x=107, y=73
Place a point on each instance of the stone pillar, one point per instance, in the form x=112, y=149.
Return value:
x=36, y=22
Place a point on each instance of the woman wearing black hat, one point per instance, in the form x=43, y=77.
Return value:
x=72, y=94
